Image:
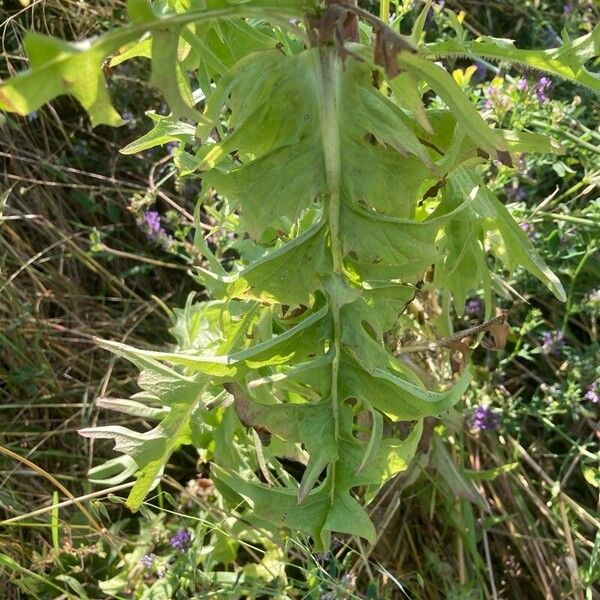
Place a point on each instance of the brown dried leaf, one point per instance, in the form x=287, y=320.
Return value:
x=348, y=21
x=498, y=332
x=460, y=354
x=388, y=44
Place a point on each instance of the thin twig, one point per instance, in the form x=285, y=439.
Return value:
x=460, y=335
x=145, y=259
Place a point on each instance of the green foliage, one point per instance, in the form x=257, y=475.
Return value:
x=350, y=191
x=567, y=62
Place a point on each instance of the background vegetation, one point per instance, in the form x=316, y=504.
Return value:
x=505, y=504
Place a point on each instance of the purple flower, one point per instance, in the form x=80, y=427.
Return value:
x=517, y=193
x=32, y=116
x=127, y=115
x=485, y=419
x=553, y=342
x=568, y=8
x=481, y=71
x=540, y=88
x=172, y=146
x=497, y=99
x=593, y=393
x=147, y=560
x=522, y=85
x=181, y=540
x=474, y=307
x=152, y=222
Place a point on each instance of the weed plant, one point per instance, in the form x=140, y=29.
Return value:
x=94, y=244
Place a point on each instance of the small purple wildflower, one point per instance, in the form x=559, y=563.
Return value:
x=127, y=115
x=32, y=116
x=553, y=342
x=526, y=227
x=522, y=85
x=568, y=8
x=172, y=146
x=540, y=88
x=474, y=307
x=147, y=560
x=593, y=393
x=152, y=223
x=518, y=193
x=181, y=540
x=497, y=99
x=485, y=419
x=481, y=72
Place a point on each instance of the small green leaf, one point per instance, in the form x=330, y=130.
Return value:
x=165, y=130
x=491, y=474
x=592, y=475
x=168, y=74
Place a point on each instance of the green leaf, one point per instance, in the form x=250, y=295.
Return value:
x=169, y=76
x=525, y=141
x=140, y=11
x=60, y=68
x=165, y=130
x=133, y=407
x=519, y=248
x=453, y=475
x=567, y=62
x=462, y=109
x=294, y=343
x=399, y=399
x=288, y=275
x=273, y=179
x=461, y=244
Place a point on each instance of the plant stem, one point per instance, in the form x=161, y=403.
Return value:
x=384, y=10
x=328, y=72
x=460, y=335
x=589, y=252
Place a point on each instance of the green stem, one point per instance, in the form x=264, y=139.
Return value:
x=328, y=72
x=566, y=134
x=571, y=219
x=384, y=10
x=591, y=250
